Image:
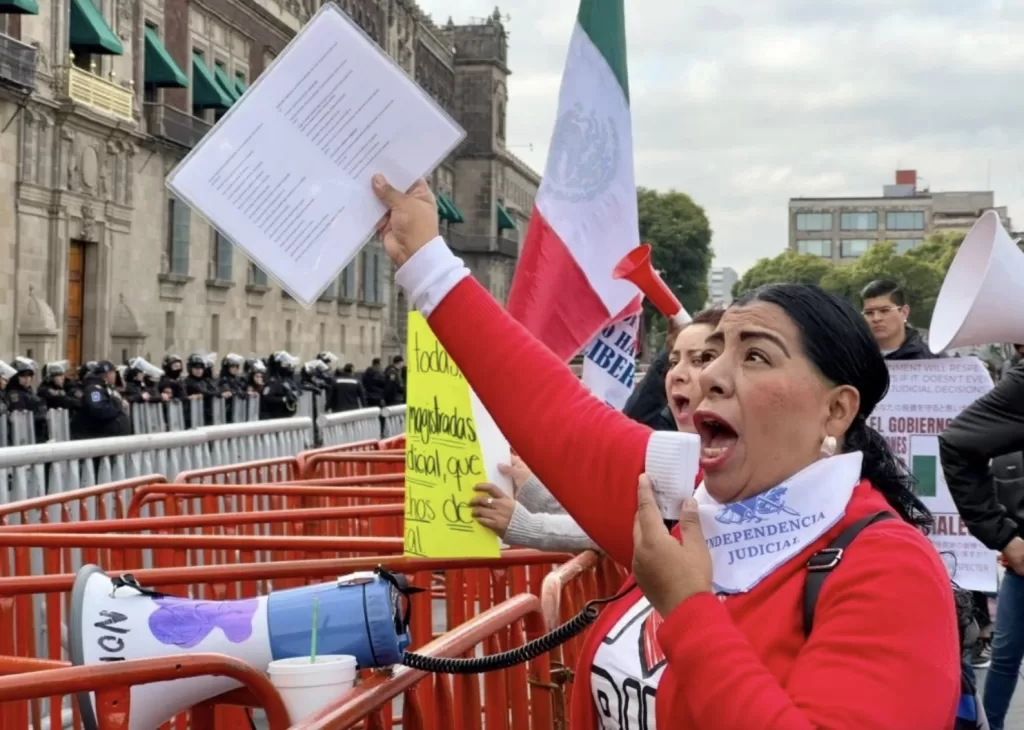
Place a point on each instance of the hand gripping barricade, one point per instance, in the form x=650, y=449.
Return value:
x=365, y=615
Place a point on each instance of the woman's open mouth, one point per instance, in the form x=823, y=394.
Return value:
x=680, y=407
x=717, y=439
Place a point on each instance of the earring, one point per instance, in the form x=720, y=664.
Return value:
x=828, y=446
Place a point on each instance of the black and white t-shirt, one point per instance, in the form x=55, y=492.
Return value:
x=626, y=671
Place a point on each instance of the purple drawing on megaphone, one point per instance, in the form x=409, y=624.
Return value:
x=185, y=623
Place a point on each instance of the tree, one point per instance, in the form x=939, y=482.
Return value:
x=789, y=267
x=680, y=237
x=919, y=277
x=919, y=271
x=939, y=249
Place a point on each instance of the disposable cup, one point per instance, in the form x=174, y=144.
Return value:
x=307, y=687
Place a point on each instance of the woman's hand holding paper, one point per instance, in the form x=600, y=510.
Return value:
x=411, y=222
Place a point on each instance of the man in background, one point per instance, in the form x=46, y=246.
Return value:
x=885, y=308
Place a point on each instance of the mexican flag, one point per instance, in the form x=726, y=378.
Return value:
x=585, y=215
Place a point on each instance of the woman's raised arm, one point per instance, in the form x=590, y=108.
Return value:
x=588, y=454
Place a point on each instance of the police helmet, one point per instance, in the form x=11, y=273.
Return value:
x=24, y=365
x=55, y=369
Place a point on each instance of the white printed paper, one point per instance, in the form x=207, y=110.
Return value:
x=285, y=175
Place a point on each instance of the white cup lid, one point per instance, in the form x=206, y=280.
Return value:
x=302, y=664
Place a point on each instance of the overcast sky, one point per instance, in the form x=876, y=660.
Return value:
x=746, y=103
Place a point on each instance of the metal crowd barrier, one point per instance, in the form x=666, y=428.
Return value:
x=161, y=417
x=393, y=418
x=351, y=426
x=33, y=470
x=36, y=470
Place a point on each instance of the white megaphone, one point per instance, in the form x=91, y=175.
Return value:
x=361, y=615
x=982, y=297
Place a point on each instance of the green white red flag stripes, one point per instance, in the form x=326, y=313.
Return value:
x=585, y=215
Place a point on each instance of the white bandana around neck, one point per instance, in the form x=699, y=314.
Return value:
x=751, y=538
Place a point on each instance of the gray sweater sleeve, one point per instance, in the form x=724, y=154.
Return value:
x=536, y=498
x=553, y=532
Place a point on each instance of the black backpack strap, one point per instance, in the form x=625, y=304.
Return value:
x=823, y=562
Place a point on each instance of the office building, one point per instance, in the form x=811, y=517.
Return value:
x=843, y=229
x=720, y=282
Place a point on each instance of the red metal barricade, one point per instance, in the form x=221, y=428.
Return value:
x=103, y=502
x=485, y=583
x=443, y=702
x=113, y=682
x=263, y=471
x=332, y=464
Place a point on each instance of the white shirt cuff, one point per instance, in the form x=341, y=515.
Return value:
x=430, y=274
x=673, y=459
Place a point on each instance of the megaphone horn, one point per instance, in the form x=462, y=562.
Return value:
x=360, y=616
x=636, y=267
x=982, y=295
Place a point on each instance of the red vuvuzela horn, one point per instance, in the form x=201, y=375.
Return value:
x=636, y=267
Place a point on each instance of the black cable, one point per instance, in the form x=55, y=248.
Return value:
x=524, y=653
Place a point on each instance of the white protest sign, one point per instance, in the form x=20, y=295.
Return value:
x=609, y=364
x=285, y=175
x=924, y=396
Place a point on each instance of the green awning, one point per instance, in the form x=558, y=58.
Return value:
x=90, y=32
x=442, y=209
x=240, y=87
x=505, y=220
x=161, y=70
x=453, y=210
x=206, y=92
x=225, y=83
x=20, y=7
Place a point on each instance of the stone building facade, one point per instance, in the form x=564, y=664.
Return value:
x=102, y=98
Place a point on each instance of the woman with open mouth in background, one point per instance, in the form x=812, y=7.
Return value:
x=713, y=638
x=532, y=517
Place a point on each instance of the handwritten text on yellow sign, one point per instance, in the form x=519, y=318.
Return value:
x=443, y=456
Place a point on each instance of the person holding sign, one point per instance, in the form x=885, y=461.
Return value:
x=713, y=637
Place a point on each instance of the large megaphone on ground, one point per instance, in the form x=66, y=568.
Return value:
x=364, y=615
x=636, y=267
x=982, y=297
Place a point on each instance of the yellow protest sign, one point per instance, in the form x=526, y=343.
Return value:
x=444, y=456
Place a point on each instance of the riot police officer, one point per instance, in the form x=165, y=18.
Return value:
x=280, y=397
x=103, y=412
x=171, y=382
x=52, y=389
x=21, y=397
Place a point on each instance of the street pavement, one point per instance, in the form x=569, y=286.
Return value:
x=1015, y=717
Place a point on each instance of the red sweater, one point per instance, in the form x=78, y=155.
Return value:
x=884, y=652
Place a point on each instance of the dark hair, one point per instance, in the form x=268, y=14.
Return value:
x=884, y=288
x=711, y=316
x=839, y=343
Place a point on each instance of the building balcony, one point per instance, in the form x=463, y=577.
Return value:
x=96, y=92
x=482, y=244
x=174, y=125
x=17, y=63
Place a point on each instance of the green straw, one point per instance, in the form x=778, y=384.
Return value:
x=312, y=648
